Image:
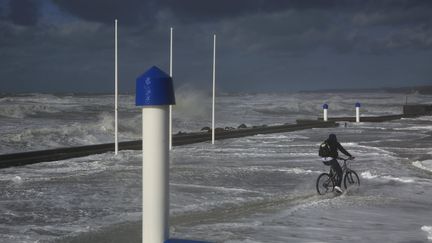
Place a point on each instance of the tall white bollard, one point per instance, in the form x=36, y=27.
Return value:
x=155, y=93
x=155, y=173
x=116, y=90
x=357, y=105
x=325, y=108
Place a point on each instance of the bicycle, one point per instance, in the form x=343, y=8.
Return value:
x=327, y=181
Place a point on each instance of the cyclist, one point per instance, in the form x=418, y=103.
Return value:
x=332, y=159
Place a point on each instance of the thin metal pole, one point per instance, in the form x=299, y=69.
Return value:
x=116, y=92
x=170, y=107
x=214, y=89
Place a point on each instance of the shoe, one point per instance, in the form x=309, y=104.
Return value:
x=338, y=189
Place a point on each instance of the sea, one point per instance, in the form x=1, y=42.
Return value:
x=243, y=190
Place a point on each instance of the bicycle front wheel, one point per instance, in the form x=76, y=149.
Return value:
x=351, y=179
x=324, y=184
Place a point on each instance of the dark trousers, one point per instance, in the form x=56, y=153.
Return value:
x=334, y=164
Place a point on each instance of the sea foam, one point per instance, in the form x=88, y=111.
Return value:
x=427, y=229
x=424, y=165
x=370, y=176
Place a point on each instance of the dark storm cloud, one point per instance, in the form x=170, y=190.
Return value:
x=139, y=11
x=135, y=11
x=214, y=10
x=23, y=12
x=343, y=25
x=68, y=44
x=129, y=11
x=2, y=10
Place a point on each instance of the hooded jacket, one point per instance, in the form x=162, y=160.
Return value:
x=335, y=146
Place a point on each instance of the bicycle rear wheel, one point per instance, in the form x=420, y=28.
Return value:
x=324, y=184
x=351, y=179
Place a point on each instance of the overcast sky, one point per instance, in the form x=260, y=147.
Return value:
x=263, y=45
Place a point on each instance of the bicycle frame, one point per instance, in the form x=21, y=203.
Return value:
x=329, y=183
x=345, y=167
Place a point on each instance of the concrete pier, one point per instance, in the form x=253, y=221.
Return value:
x=25, y=158
x=417, y=109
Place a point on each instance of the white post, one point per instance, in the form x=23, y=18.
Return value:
x=170, y=107
x=155, y=92
x=116, y=93
x=325, y=108
x=357, y=114
x=357, y=105
x=214, y=89
x=155, y=171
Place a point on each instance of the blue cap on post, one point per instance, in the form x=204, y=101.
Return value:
x=357, y=104
x=154, y=87
x=325, y=106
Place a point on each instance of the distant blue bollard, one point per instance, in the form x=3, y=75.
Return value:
x=325, y=108
x=357, y=105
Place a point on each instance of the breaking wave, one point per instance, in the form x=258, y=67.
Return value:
x=22, y=111
x=428, y=230
x=192, y=102
x=424, y=165
x=33, y=104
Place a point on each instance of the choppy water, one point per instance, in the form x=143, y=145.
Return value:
x=252, y=189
